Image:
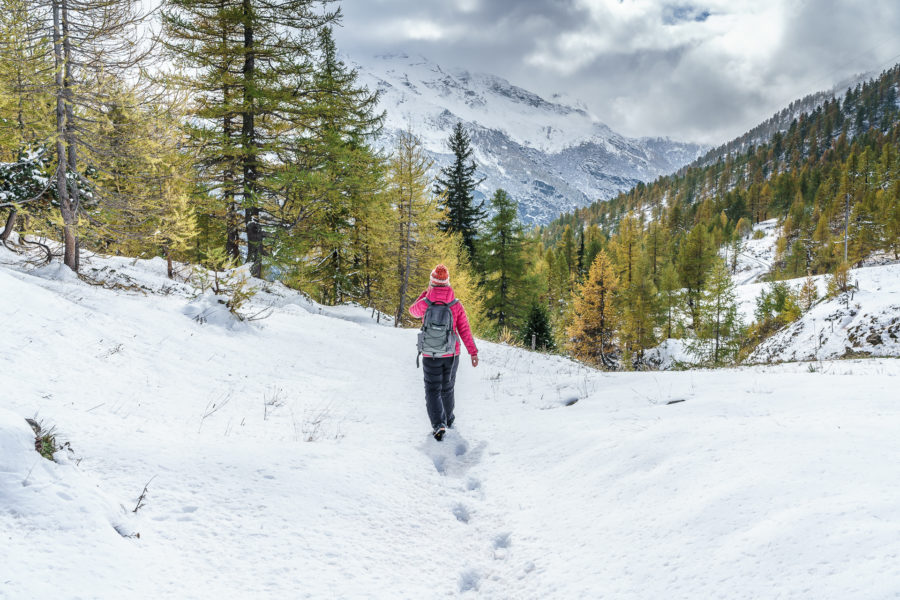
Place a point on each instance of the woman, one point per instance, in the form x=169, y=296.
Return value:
x=438, y=308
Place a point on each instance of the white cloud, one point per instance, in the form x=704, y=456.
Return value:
x=692, y=69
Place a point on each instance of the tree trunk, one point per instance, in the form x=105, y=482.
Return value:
x=404, y=281
x=66, y=208
x=248, y=140
x=232, y=224
x=10, y=224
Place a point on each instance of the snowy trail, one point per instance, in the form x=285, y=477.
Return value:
x=763, y=482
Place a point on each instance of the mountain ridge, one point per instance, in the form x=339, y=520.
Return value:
x=550, y=156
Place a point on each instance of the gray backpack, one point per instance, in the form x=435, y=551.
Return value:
x=437, y=336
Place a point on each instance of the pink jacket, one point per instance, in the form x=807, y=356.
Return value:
x=460, y=320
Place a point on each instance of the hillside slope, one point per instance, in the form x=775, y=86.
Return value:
x=747, y=483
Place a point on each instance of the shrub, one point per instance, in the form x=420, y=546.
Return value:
x=44, y=439
x=225, y=279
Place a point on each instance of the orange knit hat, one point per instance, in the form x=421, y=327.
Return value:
x=440, y=276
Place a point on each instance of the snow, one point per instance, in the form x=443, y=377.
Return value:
x=671, y=353
x=865, y=321
x=757, y=255
x=550, y=156
x=418, y=91
x=559, y=482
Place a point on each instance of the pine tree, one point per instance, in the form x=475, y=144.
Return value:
x=592, y=334
x=537, y=329
x=504, y=264
x=248, y=64
x=347, y=170
x=456, y=186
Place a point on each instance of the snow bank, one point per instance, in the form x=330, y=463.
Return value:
x=864, y=322
x=757, y=252
x=59, y=526
x=671, y=353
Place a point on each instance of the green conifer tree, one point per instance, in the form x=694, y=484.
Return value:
x=248, y=64
x=504, y=263
x=537, y=329
x=456, y=186
x=347, y=172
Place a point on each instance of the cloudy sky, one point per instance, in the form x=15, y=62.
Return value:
x=700, y=71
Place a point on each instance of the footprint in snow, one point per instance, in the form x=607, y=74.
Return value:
x=501, y=546
x=454, y=455
x=461, y=513
x=461, y=447
x=469, y=581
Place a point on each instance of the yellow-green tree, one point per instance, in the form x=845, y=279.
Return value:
x=639, y=307
x=415, y=218
x=592, y=335
x=449, y=248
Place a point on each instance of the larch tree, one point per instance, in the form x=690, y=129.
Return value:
x=93, y=45
x=415, y=217
x=718, y=333
x=639, y=308
x=26, y=115
x=592, y=334
x=204, y=39
x=695, y=257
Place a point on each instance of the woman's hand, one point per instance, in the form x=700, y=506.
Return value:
x=474, y=360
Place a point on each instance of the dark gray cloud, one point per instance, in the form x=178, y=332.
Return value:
x=703, y=70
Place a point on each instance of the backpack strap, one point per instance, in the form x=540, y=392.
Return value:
x=429, y=303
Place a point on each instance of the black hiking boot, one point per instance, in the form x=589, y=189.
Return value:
x=439, y=432
x=450, y=422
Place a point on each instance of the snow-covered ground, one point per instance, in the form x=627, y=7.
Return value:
x=865, y=321
x=757, y=252
x=560, y=481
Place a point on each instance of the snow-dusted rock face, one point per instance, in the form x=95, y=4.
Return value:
x=550, y=156
x=865, y=322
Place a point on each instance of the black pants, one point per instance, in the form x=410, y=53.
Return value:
x=440, y=376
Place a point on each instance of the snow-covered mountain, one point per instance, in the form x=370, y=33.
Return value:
x=550, y=155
